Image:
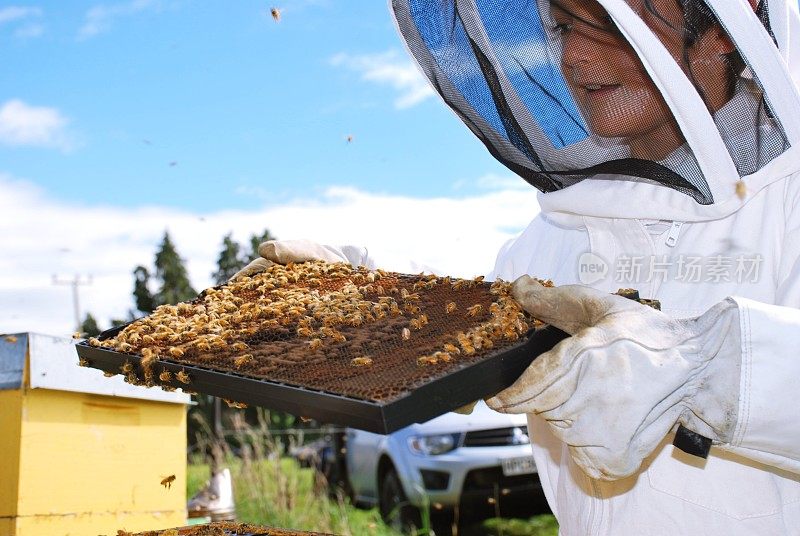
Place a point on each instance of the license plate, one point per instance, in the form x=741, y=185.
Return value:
x=519, y=466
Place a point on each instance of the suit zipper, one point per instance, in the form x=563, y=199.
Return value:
x=674, y=233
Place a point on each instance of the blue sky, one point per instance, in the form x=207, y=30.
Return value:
x=209, y=105
x=120, y=119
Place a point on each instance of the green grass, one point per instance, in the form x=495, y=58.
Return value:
x=282, y=494
x=273, y=490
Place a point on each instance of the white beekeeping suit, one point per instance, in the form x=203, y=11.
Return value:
x=665, y=138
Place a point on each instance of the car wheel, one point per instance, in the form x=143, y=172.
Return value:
x=394, y=507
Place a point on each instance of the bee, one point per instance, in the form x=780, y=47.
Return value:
x=394, y=310
x=176, y=352
x=444, y=356
x=182, y=377
x=304, y=332
x=239, y=346
x=203, y=346
x=478, y=279
x=450, y=307
x=92, y=340
x=741, y=189
x=165, y=376
x=126, y=367
x=234, y=404
x=338, y=337
x=83, y=362
x=460, y=284
x=414, y=323
x=419, y=285
x=379, y=289
x=423, y=320
x=242, y=360
x=427, y=360
x=148, y=339
x=167, y=481
x=315, y=344
x=413, y=309
x=109, y=374
x=406, y=333
x=474, y=310
x=451, y=348
x=361, y=361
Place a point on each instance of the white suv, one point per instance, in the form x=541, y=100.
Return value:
x=473, y=465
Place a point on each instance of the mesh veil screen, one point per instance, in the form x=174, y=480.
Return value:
x=558, y=95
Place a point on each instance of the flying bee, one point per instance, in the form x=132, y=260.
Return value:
x=77, y=335
x=474, y=310
x=167, y=481
x=242, y=360
x=361, y=361
x=450, y=307
x=315, y=344
x=183, y=377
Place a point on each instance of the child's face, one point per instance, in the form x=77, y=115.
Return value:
x=617, y=96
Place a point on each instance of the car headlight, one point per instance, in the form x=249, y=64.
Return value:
x=431, y=445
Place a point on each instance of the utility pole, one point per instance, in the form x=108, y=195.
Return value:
x=75, y=284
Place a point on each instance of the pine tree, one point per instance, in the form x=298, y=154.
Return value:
x=255, y=241
x=175, y=284
x=229, y=261
x=89, y=326
x=145, y=301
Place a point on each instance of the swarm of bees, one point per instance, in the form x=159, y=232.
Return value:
x=315, y=308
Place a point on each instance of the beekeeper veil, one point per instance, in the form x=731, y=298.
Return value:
x=670, y=103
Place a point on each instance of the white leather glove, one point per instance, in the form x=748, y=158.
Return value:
x=286, y=251
x=627, y=376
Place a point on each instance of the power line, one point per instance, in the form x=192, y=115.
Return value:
x=75, y=284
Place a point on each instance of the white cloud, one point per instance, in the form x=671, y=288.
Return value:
x=41, y=126
x=101, y=17
x=30, y=31
x=44, y=236
x=16, y=13
x=388, y=68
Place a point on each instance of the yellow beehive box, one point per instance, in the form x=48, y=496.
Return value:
x=83, y=454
